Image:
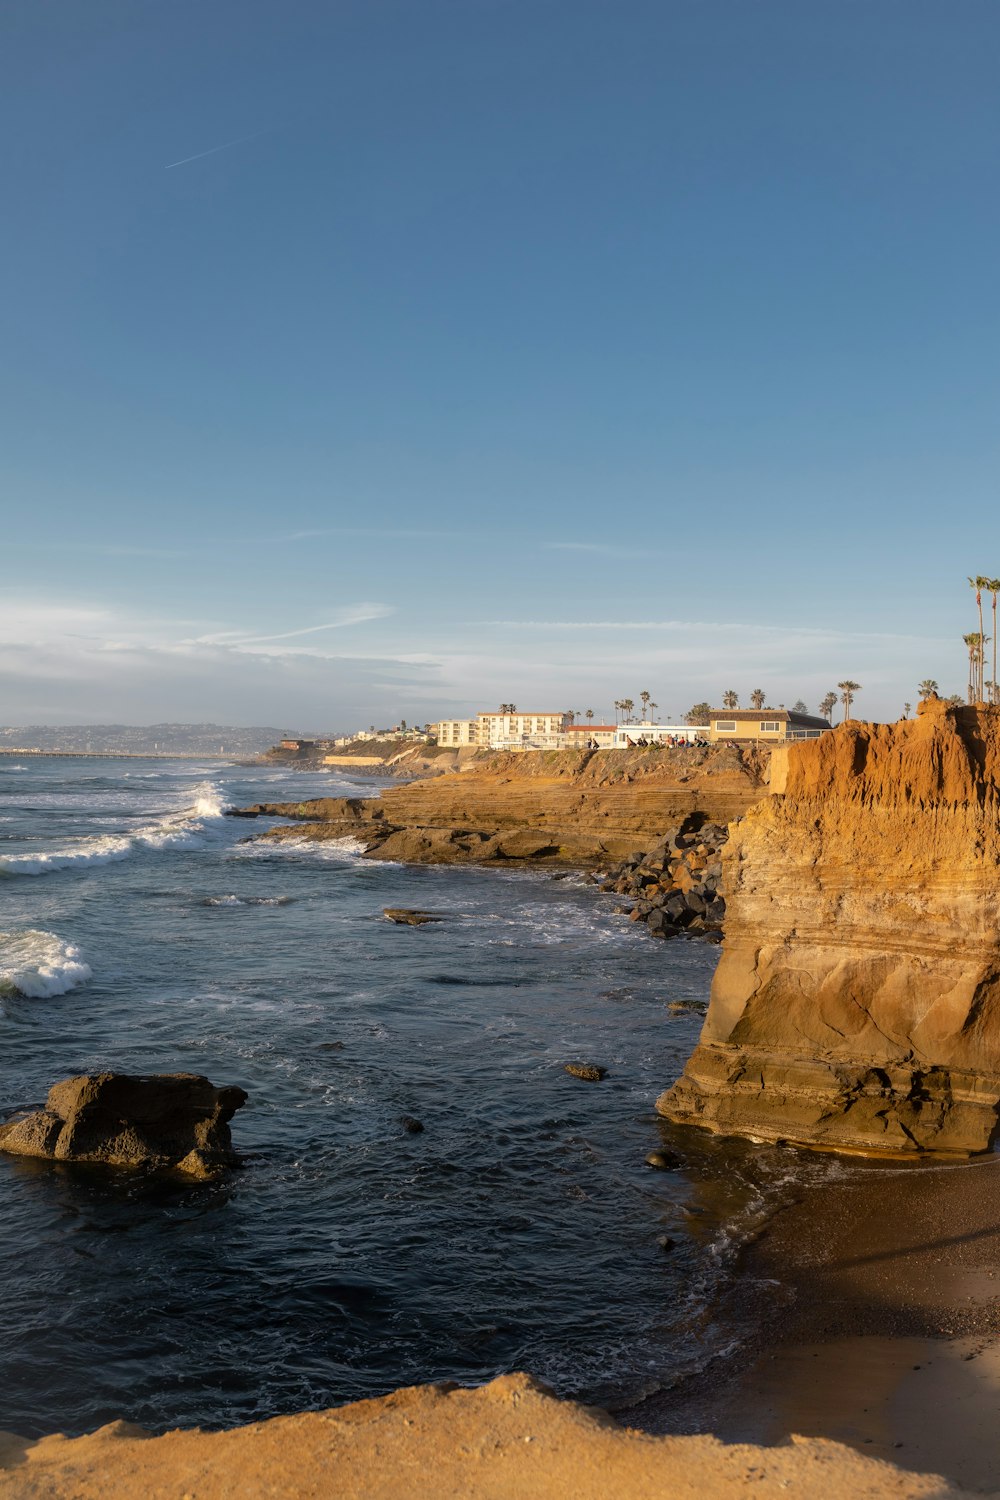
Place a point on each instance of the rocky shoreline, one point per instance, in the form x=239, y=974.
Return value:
x=672, y=884
x=586, y=810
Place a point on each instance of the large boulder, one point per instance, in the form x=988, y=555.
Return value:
x=157, y=1121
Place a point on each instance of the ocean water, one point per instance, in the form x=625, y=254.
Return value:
x=139, y=930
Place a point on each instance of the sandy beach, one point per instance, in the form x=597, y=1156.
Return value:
x=875, y=1307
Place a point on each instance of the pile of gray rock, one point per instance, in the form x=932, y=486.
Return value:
x=675, y=886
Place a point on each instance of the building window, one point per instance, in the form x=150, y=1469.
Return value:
x=770, y=726
x=725, y=726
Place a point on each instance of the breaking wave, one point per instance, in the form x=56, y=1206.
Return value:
x=37, y=964
x=174, y=830
x=247, y=900
x=340, y=850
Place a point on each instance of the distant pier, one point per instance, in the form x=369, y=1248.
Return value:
x=124, y=754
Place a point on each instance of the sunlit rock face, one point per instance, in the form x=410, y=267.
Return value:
x=857, y=1001
x=553, y=807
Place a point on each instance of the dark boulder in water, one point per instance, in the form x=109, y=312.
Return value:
x=158, y=1121
x=663, y=1161
x=410, y=1124
x=588, y=1071
x=403, y=916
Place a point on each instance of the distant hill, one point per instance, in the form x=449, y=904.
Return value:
x=193, y=739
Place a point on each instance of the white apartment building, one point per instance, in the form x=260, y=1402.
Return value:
x=456, y=731
x=517, y=731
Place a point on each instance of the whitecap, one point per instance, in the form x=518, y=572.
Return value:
x=208, y=803
x=348, y=849
x=38, y=964
x=247, y=900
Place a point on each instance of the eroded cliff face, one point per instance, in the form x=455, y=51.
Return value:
x=857, y=1001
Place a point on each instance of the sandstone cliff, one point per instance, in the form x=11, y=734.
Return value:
x=557, y=807
x=857, y=1001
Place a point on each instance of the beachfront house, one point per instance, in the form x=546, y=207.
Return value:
x=765, y=726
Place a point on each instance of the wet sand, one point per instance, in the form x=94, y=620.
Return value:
x=871, y=1314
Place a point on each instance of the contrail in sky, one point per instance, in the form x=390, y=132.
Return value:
x=224, y=147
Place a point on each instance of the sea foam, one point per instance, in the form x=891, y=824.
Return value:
x=339, y=850
x=37, y=964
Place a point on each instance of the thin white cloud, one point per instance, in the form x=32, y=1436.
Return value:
x=62, y=661
x=69, y=661
x=728, y=627
x=214, y=150
x=352, y=614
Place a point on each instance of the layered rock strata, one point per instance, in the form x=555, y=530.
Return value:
x=857, y=1001
x=550, y=807
x=177, y=1121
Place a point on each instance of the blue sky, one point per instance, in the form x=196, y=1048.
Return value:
x=531, y=350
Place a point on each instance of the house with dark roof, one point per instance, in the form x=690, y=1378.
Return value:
x=765, y=726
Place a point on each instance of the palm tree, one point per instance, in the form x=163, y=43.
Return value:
x=993, y=584
x=906, y=710
x=652, y=709
x=590, y=715
x=847, y=691
x=730, y=699
x=827, y=706
x=928, y=688
x=974, y=641
x=700, y=713
x=645, y=703
x=979, y=583
x=757, y=698
x=627, y=706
